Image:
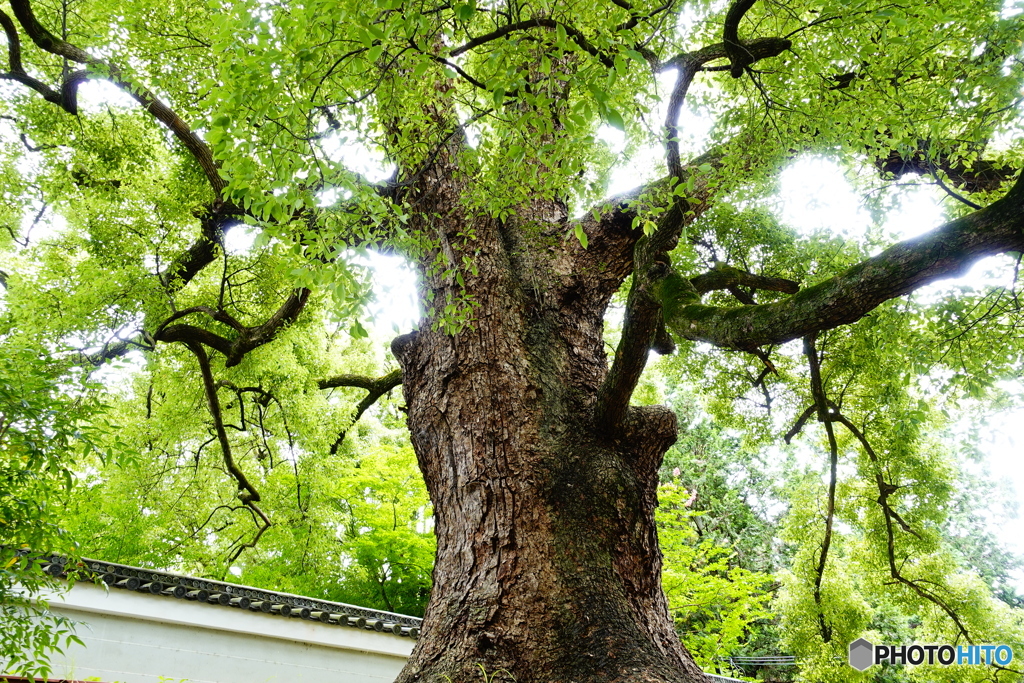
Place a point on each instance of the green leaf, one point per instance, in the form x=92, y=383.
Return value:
x=614, y=119
x=357, y=331
x=581, y=235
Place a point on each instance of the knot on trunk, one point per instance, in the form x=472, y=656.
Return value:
x=402, y=346
x=653, y=423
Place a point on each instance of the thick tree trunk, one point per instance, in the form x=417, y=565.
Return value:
x=548, y=567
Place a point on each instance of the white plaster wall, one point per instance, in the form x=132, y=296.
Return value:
x=138, y=638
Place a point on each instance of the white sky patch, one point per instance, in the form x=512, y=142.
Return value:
x=1003, y=447
x=919, y=211
x=395, y=305
x=239, y=239
x=648, y=163
x=816, y=195
x=96, y=95
x=991, y=271
x=359, y=158
x=613, y=137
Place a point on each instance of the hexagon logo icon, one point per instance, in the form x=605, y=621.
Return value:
x=862, y=654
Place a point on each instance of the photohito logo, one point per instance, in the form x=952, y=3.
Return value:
x=863, y=654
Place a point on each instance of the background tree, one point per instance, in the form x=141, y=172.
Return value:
x=488, y=117
x=48, y=423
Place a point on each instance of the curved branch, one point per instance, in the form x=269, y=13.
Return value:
x=634, y=18
x=218, y=315
x=266, y=524
x=214, y=223
x=951, y=193
x=248, y=338
x=376, y=387
x=394, y=378
x=101, y=69
x=885, y=489
x=979, y=175
x=724, y=277
x=190, y=334
x=739, y=57
x=688, y=65
x=800, y=422
x=17, y=71
x=576, y=36
x=13, y=42
x=253, y=337
x=247, y=492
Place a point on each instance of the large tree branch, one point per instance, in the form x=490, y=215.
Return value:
x=639, y=327
x=99, y=68
x=977, y=176
x=643, y=317
x=247, y=492
x=214, y=223
x=190, y=334
x=654, y=281
x=371, y=384
x=253, y=337
x=216, y=218
x=247, y=339
x=688, y=65
x=945, y=252
x=17, y=71
x=635, y=18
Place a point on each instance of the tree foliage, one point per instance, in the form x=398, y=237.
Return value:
x=141, y=142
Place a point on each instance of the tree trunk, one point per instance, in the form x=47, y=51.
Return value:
x=548, y=567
